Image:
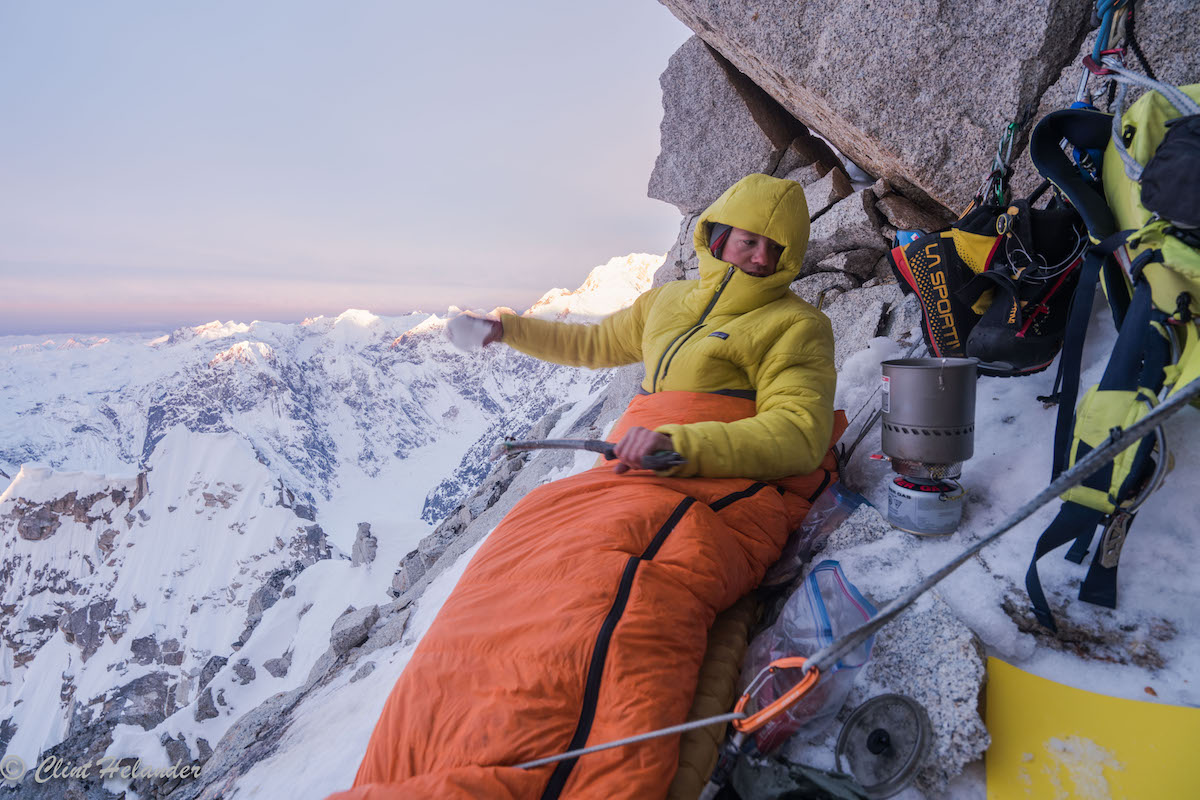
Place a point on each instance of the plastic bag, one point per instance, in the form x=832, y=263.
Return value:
x=829, y=511
x=825, y=607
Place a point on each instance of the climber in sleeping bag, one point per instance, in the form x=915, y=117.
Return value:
x=584, y=616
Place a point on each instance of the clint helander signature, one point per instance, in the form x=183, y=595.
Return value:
x=105, y=768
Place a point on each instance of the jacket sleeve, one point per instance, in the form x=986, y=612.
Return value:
x=789, y=434
x=616, y=340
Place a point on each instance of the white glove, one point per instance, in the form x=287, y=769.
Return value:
x=467, y=332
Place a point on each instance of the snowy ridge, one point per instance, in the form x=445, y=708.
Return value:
x=309, y=398
x=612, y=285
x=176, y=537
x=133, y=589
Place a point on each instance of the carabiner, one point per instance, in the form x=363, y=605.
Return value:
x=785, y=701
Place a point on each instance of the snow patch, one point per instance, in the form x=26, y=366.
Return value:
x=1084, y=762
x=218, y=330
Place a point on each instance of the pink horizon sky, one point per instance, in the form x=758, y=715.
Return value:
x=171, y=165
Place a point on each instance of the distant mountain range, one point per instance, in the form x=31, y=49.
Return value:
x=182, y=510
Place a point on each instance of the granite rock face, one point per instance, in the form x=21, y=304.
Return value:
x=859, y=263
x=927, y=115
x=850, y=224
x=351, y=629
x=902, y=213
x=681, y=261
x=724, y=126
x=278, y=667
x=859, y=316
x=823, y=287
x=823, y=192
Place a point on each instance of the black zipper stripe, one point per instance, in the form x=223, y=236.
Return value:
x=657, y=542
x=591, y=692
x=667, y=349
x=730, y=499
x=743, y=394
x=824, y=483
x=699, y=323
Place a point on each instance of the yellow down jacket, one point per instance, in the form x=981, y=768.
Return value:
x=729, y=332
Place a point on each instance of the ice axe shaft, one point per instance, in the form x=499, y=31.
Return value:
x=662, y=459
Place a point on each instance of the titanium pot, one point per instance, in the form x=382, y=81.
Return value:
x=929, y=409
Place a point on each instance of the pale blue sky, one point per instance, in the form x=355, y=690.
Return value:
x=164, y=164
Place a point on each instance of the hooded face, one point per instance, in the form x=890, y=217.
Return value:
x=773, y=212
x=752, y=253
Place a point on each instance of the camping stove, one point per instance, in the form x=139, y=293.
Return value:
x=928, y=410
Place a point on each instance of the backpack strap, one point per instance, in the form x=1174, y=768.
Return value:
x=1067, y=384
x=1151, y=277
x=1071, y=520
x=1187, y=369
x=1085, y=128
x=1126, y=392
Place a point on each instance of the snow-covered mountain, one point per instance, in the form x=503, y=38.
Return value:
x=606, y=287
x=186, y=514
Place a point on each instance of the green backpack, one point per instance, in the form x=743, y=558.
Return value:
x=1143, y=218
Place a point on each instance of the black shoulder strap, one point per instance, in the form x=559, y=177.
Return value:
x=1085, y=129
x=1067, y=382
x=1137, y=360
x=1072, y=520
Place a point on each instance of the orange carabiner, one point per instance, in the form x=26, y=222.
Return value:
x=783, y=702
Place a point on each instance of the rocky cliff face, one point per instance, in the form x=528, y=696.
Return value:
x=315, y=401
x=917, y=93
x=124, y=597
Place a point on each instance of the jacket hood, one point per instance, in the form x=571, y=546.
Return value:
x=770, y=207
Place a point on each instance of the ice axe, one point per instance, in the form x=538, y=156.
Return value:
x=658, y=460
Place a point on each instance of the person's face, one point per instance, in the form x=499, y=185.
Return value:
x=752, y=253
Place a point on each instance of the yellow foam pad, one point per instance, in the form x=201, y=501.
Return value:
x=1053, y=741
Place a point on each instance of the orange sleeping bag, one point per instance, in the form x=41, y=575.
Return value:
x=583, y=618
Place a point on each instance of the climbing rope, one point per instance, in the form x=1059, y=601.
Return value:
x=1109, y=34
x=1135, y=46
x=1125, y=78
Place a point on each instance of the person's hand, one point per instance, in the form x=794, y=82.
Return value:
x=636, y=444
x=469, y=332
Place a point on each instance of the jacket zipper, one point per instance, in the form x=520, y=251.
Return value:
x=688, y=333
